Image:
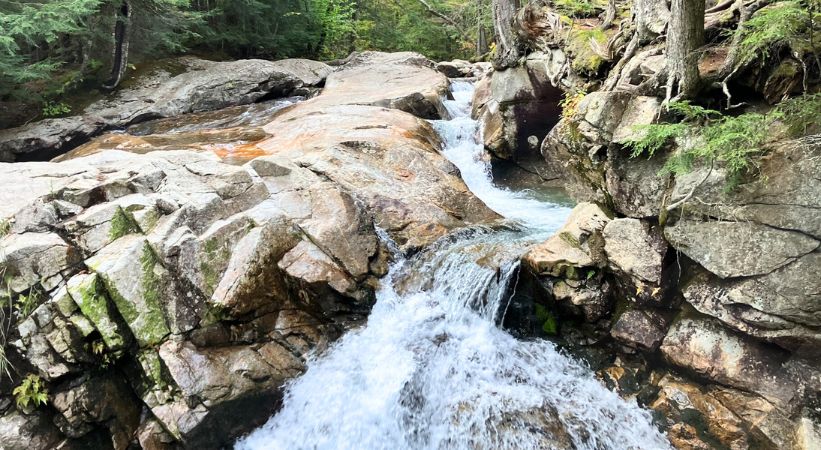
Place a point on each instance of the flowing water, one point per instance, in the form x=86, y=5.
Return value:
x=433, y=370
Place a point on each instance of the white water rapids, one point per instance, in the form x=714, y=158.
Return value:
x=431, y=369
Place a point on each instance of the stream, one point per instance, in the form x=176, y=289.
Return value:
x=433, y=369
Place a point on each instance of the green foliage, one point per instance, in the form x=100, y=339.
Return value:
x=549, y=323
x=5, y=227
x=707, y=136
x=579, y=8
x=570, y=103
x=648, y=139
x=31, y=391
x=776, y=27
x=800, y=114
x=55, y=109
x=26, y=303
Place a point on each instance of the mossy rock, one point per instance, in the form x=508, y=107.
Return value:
x=585, y=45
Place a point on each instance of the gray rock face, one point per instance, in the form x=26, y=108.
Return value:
x=514, y=104
x=635, y=249
x=783, y=306
x=703, y=346
x=578, y=148
x=203, y=86
x=738, y=249
x=786, y=194
x=640, y=329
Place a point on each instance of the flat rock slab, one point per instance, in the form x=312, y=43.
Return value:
x=738, y=249
x=202, y=86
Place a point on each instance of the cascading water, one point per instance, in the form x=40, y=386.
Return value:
x=432, y=370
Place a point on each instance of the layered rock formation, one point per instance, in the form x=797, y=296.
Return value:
x=180, y=86
x=165, y=296
x=709, y=295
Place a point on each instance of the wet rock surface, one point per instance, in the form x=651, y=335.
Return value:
x=197, y=283
x=202, y=86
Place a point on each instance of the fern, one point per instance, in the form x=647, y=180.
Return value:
x=710, y=137
x=775, y=27
x=31, y=391
x=648, y=139
x=799, y=114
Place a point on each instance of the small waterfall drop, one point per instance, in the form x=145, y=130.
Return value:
x=432, y=369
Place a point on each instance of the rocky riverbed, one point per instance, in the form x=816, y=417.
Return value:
x=180, y=262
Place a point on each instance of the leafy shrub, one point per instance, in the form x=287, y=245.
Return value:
x=55, y=109
x=31, y=391
x=570, y=103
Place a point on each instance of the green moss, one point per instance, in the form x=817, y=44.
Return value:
x=146, y=320
x=122, y=224
x=586, y=47
x=94, y=306
x=152, y=368
x=155, y=327
x=570, y=239
x=216, y=255
x=579, y=8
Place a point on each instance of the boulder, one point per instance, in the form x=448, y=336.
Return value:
x=387, y=159
x=518, y=104
x=580, y=148
x=202, y=86
x=785, y=195
x=738, y=249
x=576, y=246
x=641, y=329
x=28, y=432
x=90, y=402
x=635, y=248
x=696, y=419
x=406, y=81
x=704, y=347
x=782, y=307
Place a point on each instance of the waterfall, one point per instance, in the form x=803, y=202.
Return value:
x=433, y=370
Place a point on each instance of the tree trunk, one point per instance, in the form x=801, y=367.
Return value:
x=122, y=31
x=685, y=35
x=508, y=45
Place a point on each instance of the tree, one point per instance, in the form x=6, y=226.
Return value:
x=508, y=45
x=685, y=35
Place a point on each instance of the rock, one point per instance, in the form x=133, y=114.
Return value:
x=704, y=347
x=138, y=285
x=32, y=259
x=230, y=384
x=204, y=85
x=455, y=69
x=642, y=329
x=738, y=249
x=387, y=158
x=635, y=248
x=100, y=401
x=53, y=336
x=785, y=195
x=696, y=418
x=783, y=306
x=589, y=299
x=518, y=103
x=407, y=81
x=577, y=245
x=27, y=432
